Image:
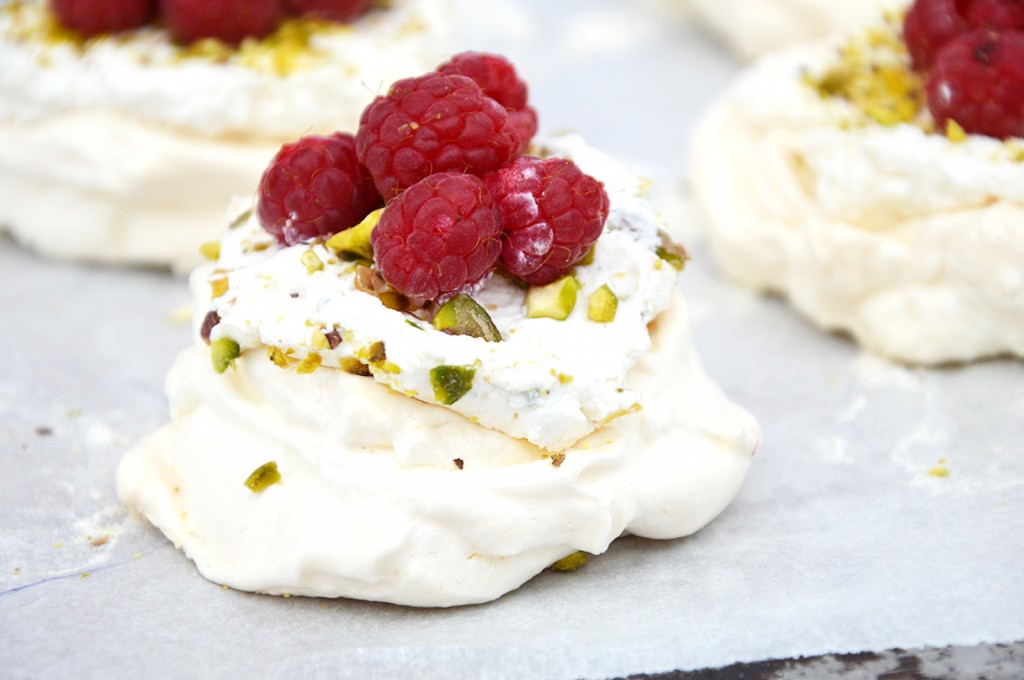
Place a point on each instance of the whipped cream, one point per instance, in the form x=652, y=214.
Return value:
x=754, y=27
x=549, y=382
x=124, y=150
x=386, y=495
x=910, y=242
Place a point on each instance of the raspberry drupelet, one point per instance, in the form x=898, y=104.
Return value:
x=440, y=236
x=96, y=17
x=978, y=81
x=229, y=20
x=429, y=124
x=498, y=79
x=551, y=213
x=315, y=187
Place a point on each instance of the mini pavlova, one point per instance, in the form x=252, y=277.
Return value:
x=124, y=125
x=879, y=184
x=429, y=403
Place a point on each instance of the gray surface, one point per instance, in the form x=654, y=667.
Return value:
x=841, y=540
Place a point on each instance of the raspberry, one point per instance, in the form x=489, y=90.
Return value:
x=433, y=123
x=315, y=187
x=498, y=79
x=96, y=17
x=439, y=236
x=551, y=213
x=227, y=20
x=978, y=81
x=931, y=24
x=343, y=11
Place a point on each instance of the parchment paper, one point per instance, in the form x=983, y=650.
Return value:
x=845, y=537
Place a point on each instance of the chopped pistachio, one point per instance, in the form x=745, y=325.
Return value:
x=553, y=301
x=670, y=251
x=954, y=132
x=218, y=287
x=376, y=354
x=571, y=562
x=210, y=250
x=277, y=356
x=603, y=305
x=451, y=383
x=263, y=476
x=242, y=218
x=309, y=364
x=355, y=242
x=222, y=352
x=319, y=340
x=462, y=315
x=589, y=257
x=354, y=366
x=311, y=261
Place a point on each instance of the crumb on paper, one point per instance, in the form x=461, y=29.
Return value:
x=940, y=470
x=102, y=540
x=44, y=431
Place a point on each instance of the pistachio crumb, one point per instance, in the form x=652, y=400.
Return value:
x=210, y=250
x=311, y=261
x=222, y=352
x=557, y=459
x=309, y=364
x=263, y=476
x=319, y=340
x=451, y=383
x=571, y=562
x=954, y=132
x=459, y=463
x=218, y=286
x=277, y=356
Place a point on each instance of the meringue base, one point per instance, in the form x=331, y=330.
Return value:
x=103, y=187
x=386, y=498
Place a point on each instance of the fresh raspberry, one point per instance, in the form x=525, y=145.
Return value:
x=439, y=236
x=931, y=24
x=551, y=213
x=433, y=123
x=342, y=11
x=497, y=77
x=96, y=17
x=229, y=20
x=978, y=81
x=315, y=187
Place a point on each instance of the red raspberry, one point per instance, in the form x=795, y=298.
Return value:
x=931, y=24
x=343, y=11
x=229, y=20
x=978, y=81
x=551, y=213
x=498, y=79
x=96, y=17
x=429, y=124
x=315, y=187
x=439, y=236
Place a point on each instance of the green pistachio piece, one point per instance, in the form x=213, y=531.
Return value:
x=571, y=562
x=670, y=251
x=462, y=315
x=603, y=305
x=588, y=258
x=223, y=352
x=355, y=242
x=553, y=301
x=263, y=476
x=210, y=250
x=451, y=383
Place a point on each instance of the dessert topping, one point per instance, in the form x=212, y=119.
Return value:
x=263, y=476
x=222, y=352
x=462, y=315
x=551, y=213
x=498, y=79
x=932, y=24
x=228, y=20
x=553, y=301
x=438, y=237
x=603, y=305
x=978, y=83
x=91, y=18
x=315, y=187
x=451, y=383
x=342, y=11
x=429, y=124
